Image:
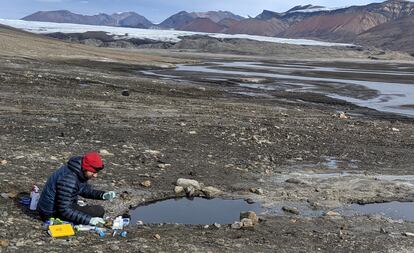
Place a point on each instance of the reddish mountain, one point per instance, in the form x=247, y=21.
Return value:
x=340, y=27
x=272, y=27
x=203, y=25
x=183, y=18
x=394, y=35
x=228, y=22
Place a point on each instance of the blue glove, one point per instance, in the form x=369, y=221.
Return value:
x=109, y=195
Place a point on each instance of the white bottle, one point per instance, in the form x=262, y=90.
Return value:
x=35, y=197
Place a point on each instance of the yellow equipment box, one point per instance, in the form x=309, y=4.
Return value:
x=61, y=230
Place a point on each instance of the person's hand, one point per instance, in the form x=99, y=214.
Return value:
x=96, y=221
x=109, y=195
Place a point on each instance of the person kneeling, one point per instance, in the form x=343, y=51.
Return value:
x=60, y=195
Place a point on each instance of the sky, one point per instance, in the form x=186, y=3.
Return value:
x=158, y=10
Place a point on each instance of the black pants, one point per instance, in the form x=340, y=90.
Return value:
x=92, y=210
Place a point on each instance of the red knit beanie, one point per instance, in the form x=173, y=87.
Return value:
x=92, y=162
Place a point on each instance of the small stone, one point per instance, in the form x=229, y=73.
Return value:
x=3, y=162
x=163, y=165
x=332, y=213
x=146, y=183
x=292, y=210
x=249, y=215
x=395, y=129
x=125, y=195
x=4, y=195
x=4, y=243
x=408, y=234
x=296, y=181
x=383, y=231
x=237, y=225
x=342, y=115
x=125, y=93
x=188, y=182
x=192, y=132
x=20, y=243
x=250, y=201
x=206, y=226
x=157, y=237
x=178, y=189
x=247, y=223
x=189, y=191
x=258, y=191
x=152, y=152
x=210, y=191
x=104, y=152
x=217, y=225
x=114, y=247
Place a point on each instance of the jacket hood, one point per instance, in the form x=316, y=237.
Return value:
x=74, y=164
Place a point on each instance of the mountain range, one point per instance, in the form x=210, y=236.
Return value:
x=367, y=25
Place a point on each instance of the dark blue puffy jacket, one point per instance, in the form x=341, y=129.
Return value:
x=62, y=190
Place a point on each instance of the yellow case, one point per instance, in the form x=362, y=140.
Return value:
x=61, y=230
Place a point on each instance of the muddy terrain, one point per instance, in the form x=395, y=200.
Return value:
x=292, y=150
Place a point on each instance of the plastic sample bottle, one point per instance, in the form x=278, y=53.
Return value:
x=35, y=197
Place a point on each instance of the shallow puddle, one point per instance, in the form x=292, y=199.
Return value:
x=395, y=210
x=193, y=211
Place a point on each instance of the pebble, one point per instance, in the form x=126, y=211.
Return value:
x=217, y=225
x=295, y=181
x=5, y=195
x=247, y=223
x=163, y=165
x=4, y=243
x=157, y=237
x=104, y=152
x=211, y=191
x=237, y=225
x=114, y=247
x=3, y=162
x=146, y=183
x=189, y=191
x=258, y=191
x=249, y=215
x=178, y=189
x=188, y=182
x=332, y=213
x=342, y=115
x=292, y=210
x=125, y=93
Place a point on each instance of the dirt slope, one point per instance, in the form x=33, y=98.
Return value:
x=14, y=42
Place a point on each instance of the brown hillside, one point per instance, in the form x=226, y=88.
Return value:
x=340, y=27
x=393, y=35
x=14, y=42
x=272, y=27
x=203, y=25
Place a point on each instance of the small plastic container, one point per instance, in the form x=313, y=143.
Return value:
x=123, y=234
x=35, y=195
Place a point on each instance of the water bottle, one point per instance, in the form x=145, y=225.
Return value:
x=35, y=197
